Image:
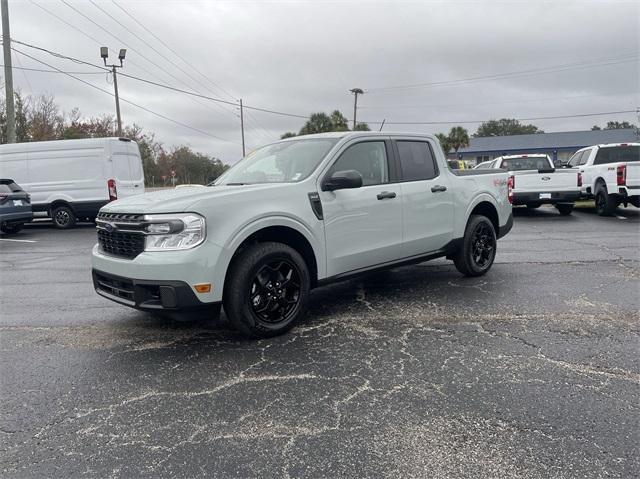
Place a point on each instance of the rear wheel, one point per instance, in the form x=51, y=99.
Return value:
x=267, y=290
x=565, y=209
x=478, y=250
x=605, y=203
x=11, y=228
x=63, y=217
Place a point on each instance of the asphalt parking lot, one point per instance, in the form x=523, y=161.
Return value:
x=531, y=371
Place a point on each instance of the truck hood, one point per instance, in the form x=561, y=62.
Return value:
x=180, y=199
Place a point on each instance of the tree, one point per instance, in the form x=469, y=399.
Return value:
x=361, y=127
x=317, y=123
x=505, y=127
x=288, y=134
x=339, y=122
x=444, y=142
x=595, y=128
x=616, y=125
x=458, y=138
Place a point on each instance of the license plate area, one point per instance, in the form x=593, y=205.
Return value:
x=17, y=202
x=545, y=196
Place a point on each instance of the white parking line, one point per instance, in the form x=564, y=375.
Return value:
x=18, y=241
x=621, y=217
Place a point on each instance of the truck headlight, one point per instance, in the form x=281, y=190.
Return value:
x=176, y=231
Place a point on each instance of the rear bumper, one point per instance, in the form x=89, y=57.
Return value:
x=146, y=295
x=16, y=217
x=556, y=197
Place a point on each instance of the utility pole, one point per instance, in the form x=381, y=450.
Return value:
x=8, y=73
x=242, y=126
x=104, y=53
x=356, y=92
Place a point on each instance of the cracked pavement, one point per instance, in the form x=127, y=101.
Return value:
x=530, y=371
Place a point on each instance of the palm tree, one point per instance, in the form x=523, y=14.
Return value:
x=458, y=138
x=444, y=143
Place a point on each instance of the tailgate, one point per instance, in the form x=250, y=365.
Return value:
x=534, y=182
x=633, y=175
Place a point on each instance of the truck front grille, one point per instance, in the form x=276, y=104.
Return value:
x=120, y=234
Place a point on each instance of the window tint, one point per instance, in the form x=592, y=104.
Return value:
x=9, y=187
x=585, y=157
x=575, y=159
x=368, y=158
x=616, y=154
x=416, y=161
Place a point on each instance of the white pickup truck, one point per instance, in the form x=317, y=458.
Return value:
x=294, y=215
x=610, y=174
x=534, y=181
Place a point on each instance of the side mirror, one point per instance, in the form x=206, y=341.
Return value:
x=341, y=180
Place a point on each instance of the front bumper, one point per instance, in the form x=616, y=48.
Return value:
x=556, y=197
x=145, y=294
x=202, y=264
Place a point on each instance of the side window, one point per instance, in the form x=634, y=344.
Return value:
x=575, y=159
x=585, y=157
x=416, y=161
x=368, y=158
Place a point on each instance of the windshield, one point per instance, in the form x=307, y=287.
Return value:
x=616, y=154
x=526, y=163
x=284, y=162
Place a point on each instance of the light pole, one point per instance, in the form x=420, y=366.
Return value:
x=8, y=73
x=104, y=54
x=356, y=92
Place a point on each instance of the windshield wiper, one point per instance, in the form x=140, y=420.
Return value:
x=237, y=184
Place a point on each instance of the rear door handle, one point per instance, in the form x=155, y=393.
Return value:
x=438, y=189
x=386, y=195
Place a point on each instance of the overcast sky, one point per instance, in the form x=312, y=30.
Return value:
x=304, y=56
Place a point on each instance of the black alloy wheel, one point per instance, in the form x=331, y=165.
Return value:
x=275, y=291
x=483, y=245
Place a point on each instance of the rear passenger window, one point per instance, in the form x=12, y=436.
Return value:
x=575, y=159
x=585, y=157
x=416, y=161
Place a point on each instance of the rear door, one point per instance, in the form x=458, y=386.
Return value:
x=427, y=199
x=126, y=168
x=363, y=226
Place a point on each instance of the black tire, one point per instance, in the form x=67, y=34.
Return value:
x=605, y=203
x=11, y=228
x=63, y=217
x=565, y=209
x=533, y=206
x=255, y=301
x=478, y=250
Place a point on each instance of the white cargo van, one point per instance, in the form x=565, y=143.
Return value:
x=73, y=179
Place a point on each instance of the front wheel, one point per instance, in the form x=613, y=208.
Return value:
x=267, y=290
x=564, y=209
x=11, y=228
x=63, y=217
x=478, y=250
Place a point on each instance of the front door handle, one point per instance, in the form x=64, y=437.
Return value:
x=386, y=195
x=438, y=189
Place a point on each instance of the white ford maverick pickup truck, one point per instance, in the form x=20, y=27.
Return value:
x=294, y=215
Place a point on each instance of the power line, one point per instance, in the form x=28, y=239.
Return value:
x=59, y=55
x=580, y=115
x=622, y=58
x=125, y=100
x=53, y=71
x=179, y=90
x=172, y=50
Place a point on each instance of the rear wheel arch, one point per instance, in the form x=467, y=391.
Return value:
x=487, y=209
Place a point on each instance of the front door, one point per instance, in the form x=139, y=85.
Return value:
x=363, y=226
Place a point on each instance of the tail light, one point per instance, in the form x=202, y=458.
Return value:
x=579, y=179
x=3, y=196
x=511, y=184
x=621, y=175
x=113, y=192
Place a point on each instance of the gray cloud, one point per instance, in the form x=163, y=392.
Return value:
x=304, y=56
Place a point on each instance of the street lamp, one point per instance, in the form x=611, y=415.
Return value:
x=104, y=54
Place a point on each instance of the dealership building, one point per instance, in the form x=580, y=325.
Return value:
x=559, y=146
